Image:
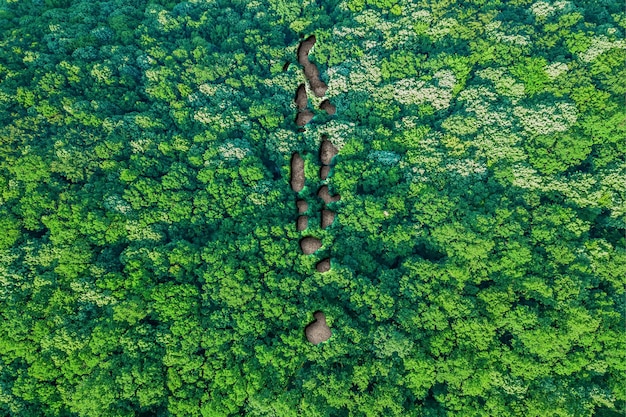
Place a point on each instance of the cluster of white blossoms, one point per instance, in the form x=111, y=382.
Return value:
x=555, y=69
x=263, y=192
x=524, y=176
x=495, y=144
x=140, y=145
x=502, y=37
x=461, y=124
x=384, y=157
x=138, y=231
x=282, y=141
x=366, y=74
x=103, y=73
x=429, y=159
x=285, y=81
x=411, y=91
x=208, y=89
x=604, y=189
x=445, y=79
x=505, y=85
x=372, y=19
x=235, y=149
x=196, y=99
x=477, y=96
x=467, y=167
x=441, y=28
x=400, y=38
x=481, y=101
x=545, y=119
x=358, y=32
x=407, y=122
x=89, y=293
x=337, y=81
x=228, y=119
x=351, y=75
x=116, y=203
x=543, y=9
x=259, y=195
x=338, y=131
x=599, y=45
x=221, y=95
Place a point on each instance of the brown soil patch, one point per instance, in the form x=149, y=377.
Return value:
x=301, y=97
x=324, y=194
x=328, y=107
x=328, y=217
x=305, y=48
x=323, y=265
x=304, y=117
x=317, y=85
x=324, y=171
x=302, y=223
x=297, y=172
x=327, y=152
x=310, y=244
x=302, y=205
x=310, y=69
x=318, y=331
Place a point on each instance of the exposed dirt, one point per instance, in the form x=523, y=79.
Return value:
x=327, y=151
x=302, y=223
x=310, y=69
x=324, y=171
x=328, y=217
x=305, y=48
x=323, y=265
x=318, y=331
x=328, y=107
x=301, y=98
x=303, y=206
x=297, y=173
x=310, y=244
x=304, y=117
x=324, y=194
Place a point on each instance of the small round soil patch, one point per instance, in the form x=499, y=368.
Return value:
x=304, y=117
x=328, y=107
x=327, y=218
x=310, y=244
x=302, y=205
x=323, y=265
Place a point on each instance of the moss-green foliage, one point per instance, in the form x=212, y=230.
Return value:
x=149, y=263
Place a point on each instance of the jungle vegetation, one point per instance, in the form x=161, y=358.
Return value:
x=149, y=259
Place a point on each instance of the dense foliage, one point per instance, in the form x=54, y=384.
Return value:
x=149, y=262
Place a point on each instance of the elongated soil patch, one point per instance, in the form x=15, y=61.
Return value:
x=327, y=152
x=324, y=194
x=302, y=223
x=297, y=173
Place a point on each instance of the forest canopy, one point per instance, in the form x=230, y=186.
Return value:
x=149, y=259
